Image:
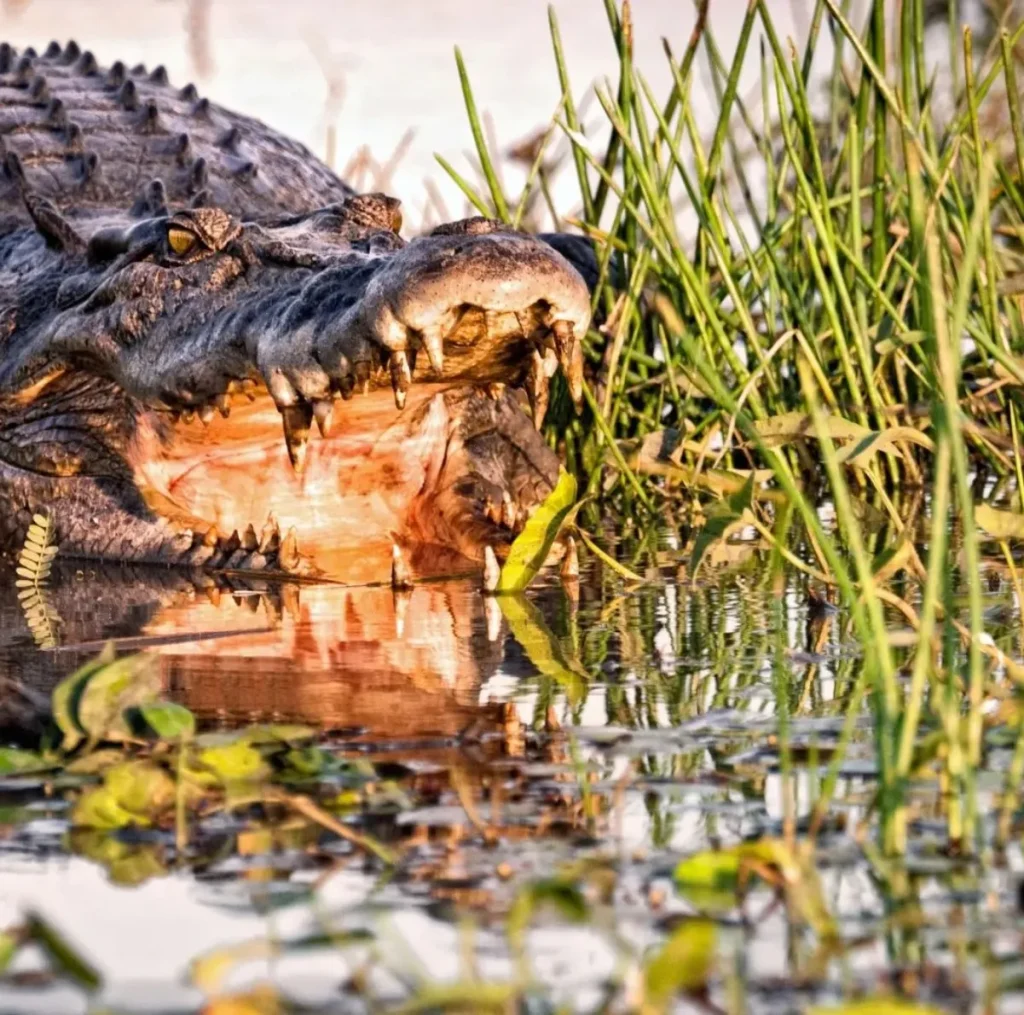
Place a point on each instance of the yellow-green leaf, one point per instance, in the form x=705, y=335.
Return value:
x=999, y=524
x=66, y=695
x=532, y=545
x=877, y=1006
x=683, y=964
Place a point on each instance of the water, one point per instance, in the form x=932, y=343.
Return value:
x=618, y=726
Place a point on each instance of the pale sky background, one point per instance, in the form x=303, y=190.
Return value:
x=391, y=60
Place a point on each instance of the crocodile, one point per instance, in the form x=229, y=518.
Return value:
x=215, y=355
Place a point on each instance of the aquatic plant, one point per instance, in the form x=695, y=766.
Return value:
x=842, y=322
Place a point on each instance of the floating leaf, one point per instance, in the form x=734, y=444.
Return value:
x=563, y=896
x=999, y=524
x=877, y=1006
x=532, y=545
x=167, y=720
x=62, y=955
x=237, y=762
x=126, y=683
x=710, y=880
x=133, y=793
x=66, y=695
x=259, y=1001
x=860, y=451
x=723, y=518
x=16, y=761
x=683, y=964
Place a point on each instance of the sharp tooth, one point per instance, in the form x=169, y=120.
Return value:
x=249, y=389
x=250, y=541
x=570, y=358
x=187, y=416
x=570, y=570
x=538, y=388
x=211, y=537
x=270, y=535
x=281, y=390
x=493, y=616
x=495, y=390
x=323, y=411
x=297, y=420
x=434, y=345
x=508, y=510
x=232, y=543
x=206, y=414
x=288, y=556
x=401, y=576
x=401, y=377
x=492, y=570
x=223, y=404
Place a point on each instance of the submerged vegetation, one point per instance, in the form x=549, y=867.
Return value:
x=810, y=401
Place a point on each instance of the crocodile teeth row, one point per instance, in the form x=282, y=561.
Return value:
x=563, y=349
x=247, y=552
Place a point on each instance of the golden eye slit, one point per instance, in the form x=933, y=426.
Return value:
x=181, y=241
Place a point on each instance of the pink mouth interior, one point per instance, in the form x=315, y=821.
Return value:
x=349, y=503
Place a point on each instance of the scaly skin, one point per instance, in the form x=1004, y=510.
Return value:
x=163, y=259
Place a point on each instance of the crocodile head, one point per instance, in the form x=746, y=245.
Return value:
x=305, y=393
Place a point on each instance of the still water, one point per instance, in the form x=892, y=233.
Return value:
x=615, y=727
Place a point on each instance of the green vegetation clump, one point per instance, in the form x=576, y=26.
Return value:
x=843, y=326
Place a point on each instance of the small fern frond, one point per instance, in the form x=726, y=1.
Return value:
x=34, y=564
x=36, y=558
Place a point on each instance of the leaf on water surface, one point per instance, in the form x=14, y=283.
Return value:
x=9, y=944
x=682, y=965
x=126, y=683
x=542, y=648
x=877, y=1006
x=14, y=761
x=64, y=958
x=710, y=880
x=133, y=793
x=461, y=997
x=259, y=1001
x=66, y=695
x=166, y=719
x=563, y=896
x=209, y=972
x=532, y=545
x=999, y=524
x=236, y=762
x=724, y=517
x=127, y=864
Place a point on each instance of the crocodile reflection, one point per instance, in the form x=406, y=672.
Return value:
x=401, y=664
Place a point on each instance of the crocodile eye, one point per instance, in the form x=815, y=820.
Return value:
x=396, y=221
x=181, y=241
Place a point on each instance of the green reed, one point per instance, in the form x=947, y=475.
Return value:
x=849, y=236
